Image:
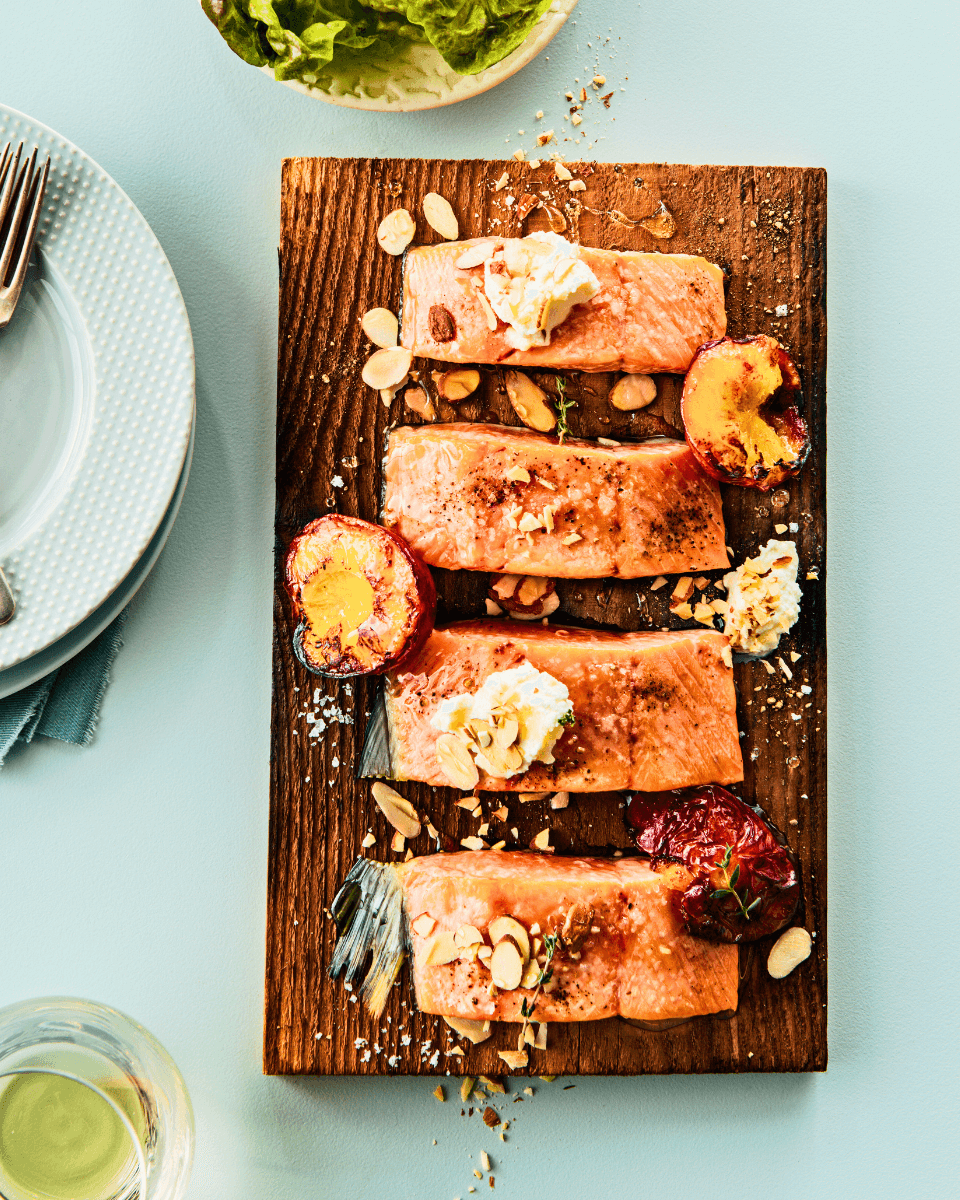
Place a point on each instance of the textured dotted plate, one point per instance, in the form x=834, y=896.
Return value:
x=96, y=399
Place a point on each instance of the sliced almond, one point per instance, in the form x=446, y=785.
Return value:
x=506, y=965
x=571, y=539
x=506, y=734
x=518, y=474
x=501, y=182
x=441, y=949
x=416, y=398
x=527, y=797
x=473, y=843
x=531, y=973
x=456, y=763
x=476, y=255
x=790, y=949
x=396, y=230
x=381, y=327
x=424, y=925
x=529, y=402
x=542, y=840
x=632, y=392
x=488, y=312
x=503, y=761
x=458, y=385
x=468, y=935
x=493, y=609
x=387, y=368
x=560, y=800
x=399, y=812
x=505, y=585
x=529, y=522
x=484, y=953
x=368, y=841
x=577, y=185
x=540, y=1041
x=440, y=216
x=501, y=927
x=526, y=1036
x=516, y=1060
x=473, y=1031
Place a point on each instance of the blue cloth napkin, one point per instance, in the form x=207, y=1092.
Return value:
x=65, y=704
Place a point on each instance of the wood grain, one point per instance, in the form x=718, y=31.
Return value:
x=767, y=227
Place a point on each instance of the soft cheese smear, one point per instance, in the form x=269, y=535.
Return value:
x=763, y=598
x=533, y=283
x=539, y=703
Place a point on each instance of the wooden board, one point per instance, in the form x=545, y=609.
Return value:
x=767, y=227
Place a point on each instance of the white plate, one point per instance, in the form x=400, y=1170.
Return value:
x=39, y=665
x=420, y=79
x=96, y=400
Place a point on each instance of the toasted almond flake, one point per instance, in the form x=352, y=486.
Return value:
x=794, y=656
x=516, y=1060
x=387, y=394
x=441, y=949
x=527, y=797
x=484, y=829
x=704, y=614
x=683, y=589
x=540, y=1042
x=498, y=845
x=440, y=216
x=493, y=609
x=491, y=1118
x=658, y=583
x=508, y=927
x=719, y=606
x=431, y=831
x=476, y=255
x=476, y=811
x=381, y=327
x=529, y=401
x=488, y=312
x=701, y=582
x=399, y=812
x=529, y=522
x=519, y=155
x=571, y=539
x=526, y=1037
x=484, y=953
x=781, y=528
x=473, y=843
x=534, y=162
x=439, y=1093
x=577, y=185
x=768, y=667
x=396, y=230
x=424, y=925
x=507, y=731
x=468, y=935
x=502, y=813
x=560, y=800
x=562, y=172
x=465, y=802
x=542, y=840
x=456, y=1052
x=368, y=841
x=466, y=1084
x=387, y=368
x=784, y=668
x=518, y=474
x=417, y=399
x=683, y=611
x=501, y=182
x=455, y=386
x=603, y=441
x=506, y=964
x=790, y=949
x=456, y=763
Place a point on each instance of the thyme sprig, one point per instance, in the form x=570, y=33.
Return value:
x=550, y=943
x=728, y=885
x=564, y=404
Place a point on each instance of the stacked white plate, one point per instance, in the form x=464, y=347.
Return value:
x=96, y=413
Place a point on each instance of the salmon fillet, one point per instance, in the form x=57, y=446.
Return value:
x=643, y=508
x=653, y=711
x=639, y=964
x=652, y=312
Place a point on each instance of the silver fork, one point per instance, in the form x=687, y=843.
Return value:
x=21, y=199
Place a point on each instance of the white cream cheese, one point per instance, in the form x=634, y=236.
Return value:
x=533, y=283
x=763, y=598
x=539, y=703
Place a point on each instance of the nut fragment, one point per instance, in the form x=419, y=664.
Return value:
x=542, y=840
x=540, y=1041
x=424, y=925
x=396, y=230
x=387, y=368
x=399, y=812
x=502, y=927
x=488, y=312
x=683, y=590
x=473, y=1031
x=458, y=385
x=560, y=800
x=441, y=949
x=466, y=1085
x=517, y=474
x=476, y=255
x=440, y=216
x=576, y=925
x=528, y=797
x=456, y=763
x=529, y=402
x=501, y=182
x=418, y=400
x=506, y=965
x=515, y=1059
x=790, y=949
x=562, y=172
x=443, y=328
x=468, y=935
x=381, y=326
x=633, y=391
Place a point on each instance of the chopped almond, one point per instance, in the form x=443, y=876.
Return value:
x=518, y=474
x=658, y=583
x=398, y=842
x=683, y=590
x=473, y=843
x=683, y=611
x=571, y=538
x=424, y=925
x=441, y=949
x=516, y=1060
x=368, y=841
x=560, y=800
x=542, y=840
x=540, y=1042
x=562, y=172
x=466, y=1084
x=527, y=797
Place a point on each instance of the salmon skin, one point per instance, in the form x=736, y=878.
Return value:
x=652, y=312
x=620, y=947
x=652, y=711
x=458, y=493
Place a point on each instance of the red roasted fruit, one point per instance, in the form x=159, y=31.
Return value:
x=366, y=602
x=741, y=412
x=734, y=877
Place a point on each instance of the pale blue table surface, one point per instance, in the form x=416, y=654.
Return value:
x=134, y=871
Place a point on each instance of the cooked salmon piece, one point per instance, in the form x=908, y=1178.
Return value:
x=652, y=312
x=652, y=711
x=622, y=949
x=459, y=494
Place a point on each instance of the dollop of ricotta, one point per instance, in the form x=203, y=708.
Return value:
x=533, y=283
x=763, y=598
x=539, y=703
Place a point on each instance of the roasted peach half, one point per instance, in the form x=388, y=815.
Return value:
x=365, y=601
x=741, y=412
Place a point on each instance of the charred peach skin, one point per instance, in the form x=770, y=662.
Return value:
x=365, y=601
x=740, y=412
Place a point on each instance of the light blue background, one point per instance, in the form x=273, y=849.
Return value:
x=134, y=871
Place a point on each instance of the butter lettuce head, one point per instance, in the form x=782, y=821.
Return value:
x=304, y=39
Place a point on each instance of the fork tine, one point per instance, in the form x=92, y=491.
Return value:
x=9, y=181
x=38, y=187
x=22, y=192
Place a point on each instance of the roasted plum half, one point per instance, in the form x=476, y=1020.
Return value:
x=741, y=412
x=365, y=601
x=733, y=877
